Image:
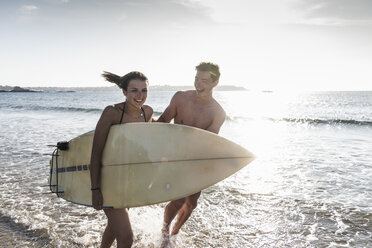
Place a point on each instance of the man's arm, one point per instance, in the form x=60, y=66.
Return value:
x=171, y=111
x=217, y=122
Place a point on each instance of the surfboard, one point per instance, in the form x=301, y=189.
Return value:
x=145, y=163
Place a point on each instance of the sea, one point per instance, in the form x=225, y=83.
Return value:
x=309, y=186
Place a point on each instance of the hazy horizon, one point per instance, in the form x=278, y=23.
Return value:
x=265, y=45
x=171, y=88
x=113, y=87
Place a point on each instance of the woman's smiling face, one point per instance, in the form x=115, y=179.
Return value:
x=136, y=92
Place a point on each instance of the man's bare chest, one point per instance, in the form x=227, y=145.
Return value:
x=200, y=117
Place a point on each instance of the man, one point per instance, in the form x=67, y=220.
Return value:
x=196, y=108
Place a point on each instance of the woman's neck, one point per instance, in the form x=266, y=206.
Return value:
x=132, y=111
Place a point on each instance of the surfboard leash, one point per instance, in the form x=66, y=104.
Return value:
x=53, y=161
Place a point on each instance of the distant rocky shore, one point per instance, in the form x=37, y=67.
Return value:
x=17, y=89
x=7, y=88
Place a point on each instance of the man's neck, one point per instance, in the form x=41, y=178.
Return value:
x=203, y=98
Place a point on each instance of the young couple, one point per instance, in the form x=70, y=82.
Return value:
x=196, y=108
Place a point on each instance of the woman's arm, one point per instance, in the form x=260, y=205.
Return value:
x=99, y=141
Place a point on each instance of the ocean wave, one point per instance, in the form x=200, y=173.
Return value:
x=328, y=121
x=55, y=108
x=157, y=113
x=61, y=109
x=238, y=118
x=310, y=121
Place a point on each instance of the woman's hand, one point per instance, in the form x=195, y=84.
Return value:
x=97, y=199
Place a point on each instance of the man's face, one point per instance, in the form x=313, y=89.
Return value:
x=204, y=82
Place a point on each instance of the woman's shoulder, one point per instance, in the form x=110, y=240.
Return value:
x=111, y=112
x=148, y=111
x=114, y=107
x=147, y=107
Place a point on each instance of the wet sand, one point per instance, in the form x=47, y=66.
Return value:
x=15, y=235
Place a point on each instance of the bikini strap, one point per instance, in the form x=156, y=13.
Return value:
x=122, y=114
x=144, y=114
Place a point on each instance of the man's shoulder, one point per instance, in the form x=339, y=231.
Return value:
x=181, y=96
x=219, y=109
x=184, y=93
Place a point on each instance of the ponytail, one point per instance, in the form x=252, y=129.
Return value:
x=123, y=81
x=112, y=78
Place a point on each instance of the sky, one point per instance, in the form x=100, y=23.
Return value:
x=258, y=44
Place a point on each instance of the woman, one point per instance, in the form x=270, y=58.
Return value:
x=134, y=86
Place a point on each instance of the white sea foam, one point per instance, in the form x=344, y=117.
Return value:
x=308, y=187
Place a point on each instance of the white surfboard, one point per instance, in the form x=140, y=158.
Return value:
x=146, y=163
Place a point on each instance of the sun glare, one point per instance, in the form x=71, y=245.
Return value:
x=255, y=120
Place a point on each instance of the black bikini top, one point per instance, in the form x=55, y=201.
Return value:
x=122, y=114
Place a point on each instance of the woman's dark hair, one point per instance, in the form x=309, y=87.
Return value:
x=123, y=81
